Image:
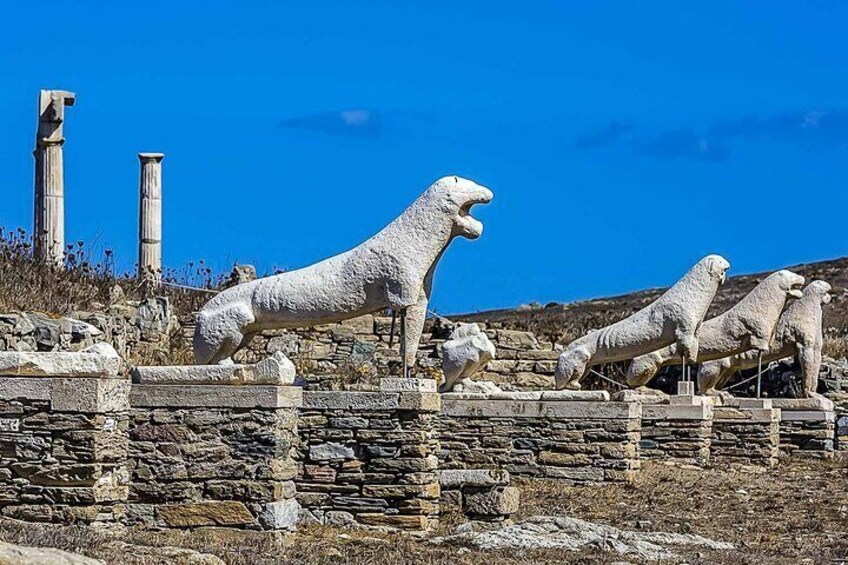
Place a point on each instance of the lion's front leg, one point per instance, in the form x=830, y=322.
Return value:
x=413, y=326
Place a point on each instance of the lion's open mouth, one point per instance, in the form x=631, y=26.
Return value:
x=471, y=226
x=795, y=290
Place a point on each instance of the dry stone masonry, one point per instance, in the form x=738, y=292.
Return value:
x=746, y=431
x=63, y=438
x=370, y=458
x=579, y=437
x=204, y=454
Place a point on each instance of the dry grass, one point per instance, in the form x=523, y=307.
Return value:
x=795, y=513
x=85, y=282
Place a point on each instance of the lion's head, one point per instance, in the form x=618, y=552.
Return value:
x=820, y=289
x=716, y=266
x=457, y=195
x=789, y=282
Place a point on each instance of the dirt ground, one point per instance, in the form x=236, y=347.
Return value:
x=795, y=513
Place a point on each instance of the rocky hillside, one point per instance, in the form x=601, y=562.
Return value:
x=564, y=322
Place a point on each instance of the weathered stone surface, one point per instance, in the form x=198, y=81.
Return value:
x=498, y=502
x=280, y=515
x=407, y=385
x=818, y=403
x=213, y=513
x=749, y=324
x=798, y=333
x=98, y=361
x=11, y=554
x=571, y=534
x=340, y=287
x=681, y=307
x=90, y=395
x=216, y=396
x=276, y=370
x=331, y=450
x=539, y=409
x=466, y=352
x=455, y=478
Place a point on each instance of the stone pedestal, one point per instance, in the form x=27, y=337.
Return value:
x=577, y=437
x=746, y=431
x=63, y=438
x=678, y=430
x=150, y=217
x=479, y=494
x=370, y=458
x=807, y=427
x=212, y=454
x=49, y=209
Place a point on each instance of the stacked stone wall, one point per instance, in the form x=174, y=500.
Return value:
x=746, y=433
x=369, y=458
x=63, y=443
x=807, y=433
x=677, y=433
x=541, y=435
x=213, y=455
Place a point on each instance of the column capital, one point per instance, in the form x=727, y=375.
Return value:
x=148, y=157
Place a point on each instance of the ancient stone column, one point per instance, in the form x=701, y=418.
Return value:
x=49, y=213
x=150, y=217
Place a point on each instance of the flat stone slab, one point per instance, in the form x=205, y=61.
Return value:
x=561, y=395
x=276, y=370
x=746, y=415
x=629, y=395
x=510, y=408
x=100, y=361
x=74, y=394
x=372, y=401
x=807, y=416
x=818, y=403
x=457, y=478
x=763, y=403
x=393, y=384
x=215, y=396
x=677, y=412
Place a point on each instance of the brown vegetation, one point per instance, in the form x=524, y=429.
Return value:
x=795, y=513
x=86, y=282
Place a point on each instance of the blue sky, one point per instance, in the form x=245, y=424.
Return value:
x=623, y=140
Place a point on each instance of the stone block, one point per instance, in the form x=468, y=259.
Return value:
x=354, y=401
x=215, y=396
x=280, y=515
x=457, y=478
x=672, y=412
x=275, y=370
x=499, y=502
x=540, y=409
x=90, y=395
x=398, y=521
x=95, y=362
x=806, y=415
x=804, y=404
x=213, y=513
x=407, y=385
x=327, y=451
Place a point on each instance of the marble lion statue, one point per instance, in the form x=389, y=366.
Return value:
x=673, y=318
x=466, y=351
x=798, y=334
x=393, y=269
x=749, y=324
